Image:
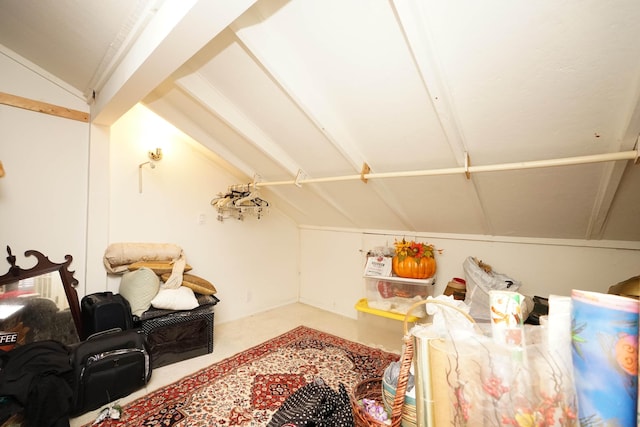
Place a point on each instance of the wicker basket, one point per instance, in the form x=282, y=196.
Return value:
x=367, y=389
x=373, y=389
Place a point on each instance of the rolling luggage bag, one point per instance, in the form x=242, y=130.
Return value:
x=109, y=365
x=103, y=311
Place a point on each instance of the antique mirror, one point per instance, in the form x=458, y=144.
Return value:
x=38, y=303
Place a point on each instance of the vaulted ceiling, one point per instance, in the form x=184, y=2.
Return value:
x=509, y=118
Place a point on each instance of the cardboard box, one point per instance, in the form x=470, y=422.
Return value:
x=628, y=288
x=397, y=294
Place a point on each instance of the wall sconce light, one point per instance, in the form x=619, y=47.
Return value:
x=157, y=155
x=154, y=156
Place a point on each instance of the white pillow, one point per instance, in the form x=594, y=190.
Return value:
x=181, y=298
x=139, y=288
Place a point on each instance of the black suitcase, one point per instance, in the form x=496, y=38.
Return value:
x=103, y=311
x=109, y=365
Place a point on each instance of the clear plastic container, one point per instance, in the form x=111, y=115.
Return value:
x=397, y=294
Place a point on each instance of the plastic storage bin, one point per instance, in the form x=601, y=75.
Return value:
x=381, y=328
x=396, y=294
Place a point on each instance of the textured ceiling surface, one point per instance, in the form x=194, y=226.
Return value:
x=282, y=89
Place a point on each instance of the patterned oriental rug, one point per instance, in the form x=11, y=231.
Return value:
x=247, y=388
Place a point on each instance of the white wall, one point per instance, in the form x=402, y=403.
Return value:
x=330, y=269
x=43, y=196
x=333, y=262
x=253, y=263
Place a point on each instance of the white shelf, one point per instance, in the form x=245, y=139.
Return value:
x=363, y=306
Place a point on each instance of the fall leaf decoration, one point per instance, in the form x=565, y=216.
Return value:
x=413, y=249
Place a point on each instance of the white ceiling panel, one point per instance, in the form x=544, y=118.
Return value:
x=40, y=32
x=263, y=103
x=209, y=130
x=538, y=80
x=351, y=52
x=445, y=203
x=560, y=200
x=407, y=87
x=623, y=221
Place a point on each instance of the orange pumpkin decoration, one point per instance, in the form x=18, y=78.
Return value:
x=414, y=268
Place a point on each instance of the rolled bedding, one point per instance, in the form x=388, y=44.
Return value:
x=118, y=256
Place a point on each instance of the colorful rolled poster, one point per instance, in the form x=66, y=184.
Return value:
x=604, y=338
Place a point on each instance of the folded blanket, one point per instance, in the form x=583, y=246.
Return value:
x=118, y=257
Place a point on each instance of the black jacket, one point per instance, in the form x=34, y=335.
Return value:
x=36, y=376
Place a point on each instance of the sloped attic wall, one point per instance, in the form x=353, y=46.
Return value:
x=324, y=87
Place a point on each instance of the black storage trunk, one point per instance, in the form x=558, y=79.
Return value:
x=179, y=336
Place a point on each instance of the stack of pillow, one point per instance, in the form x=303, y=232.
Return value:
x=142, y=286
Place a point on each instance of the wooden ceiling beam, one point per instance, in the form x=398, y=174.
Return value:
x=43, y=107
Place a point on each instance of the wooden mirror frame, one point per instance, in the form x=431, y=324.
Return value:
x=44, y=266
